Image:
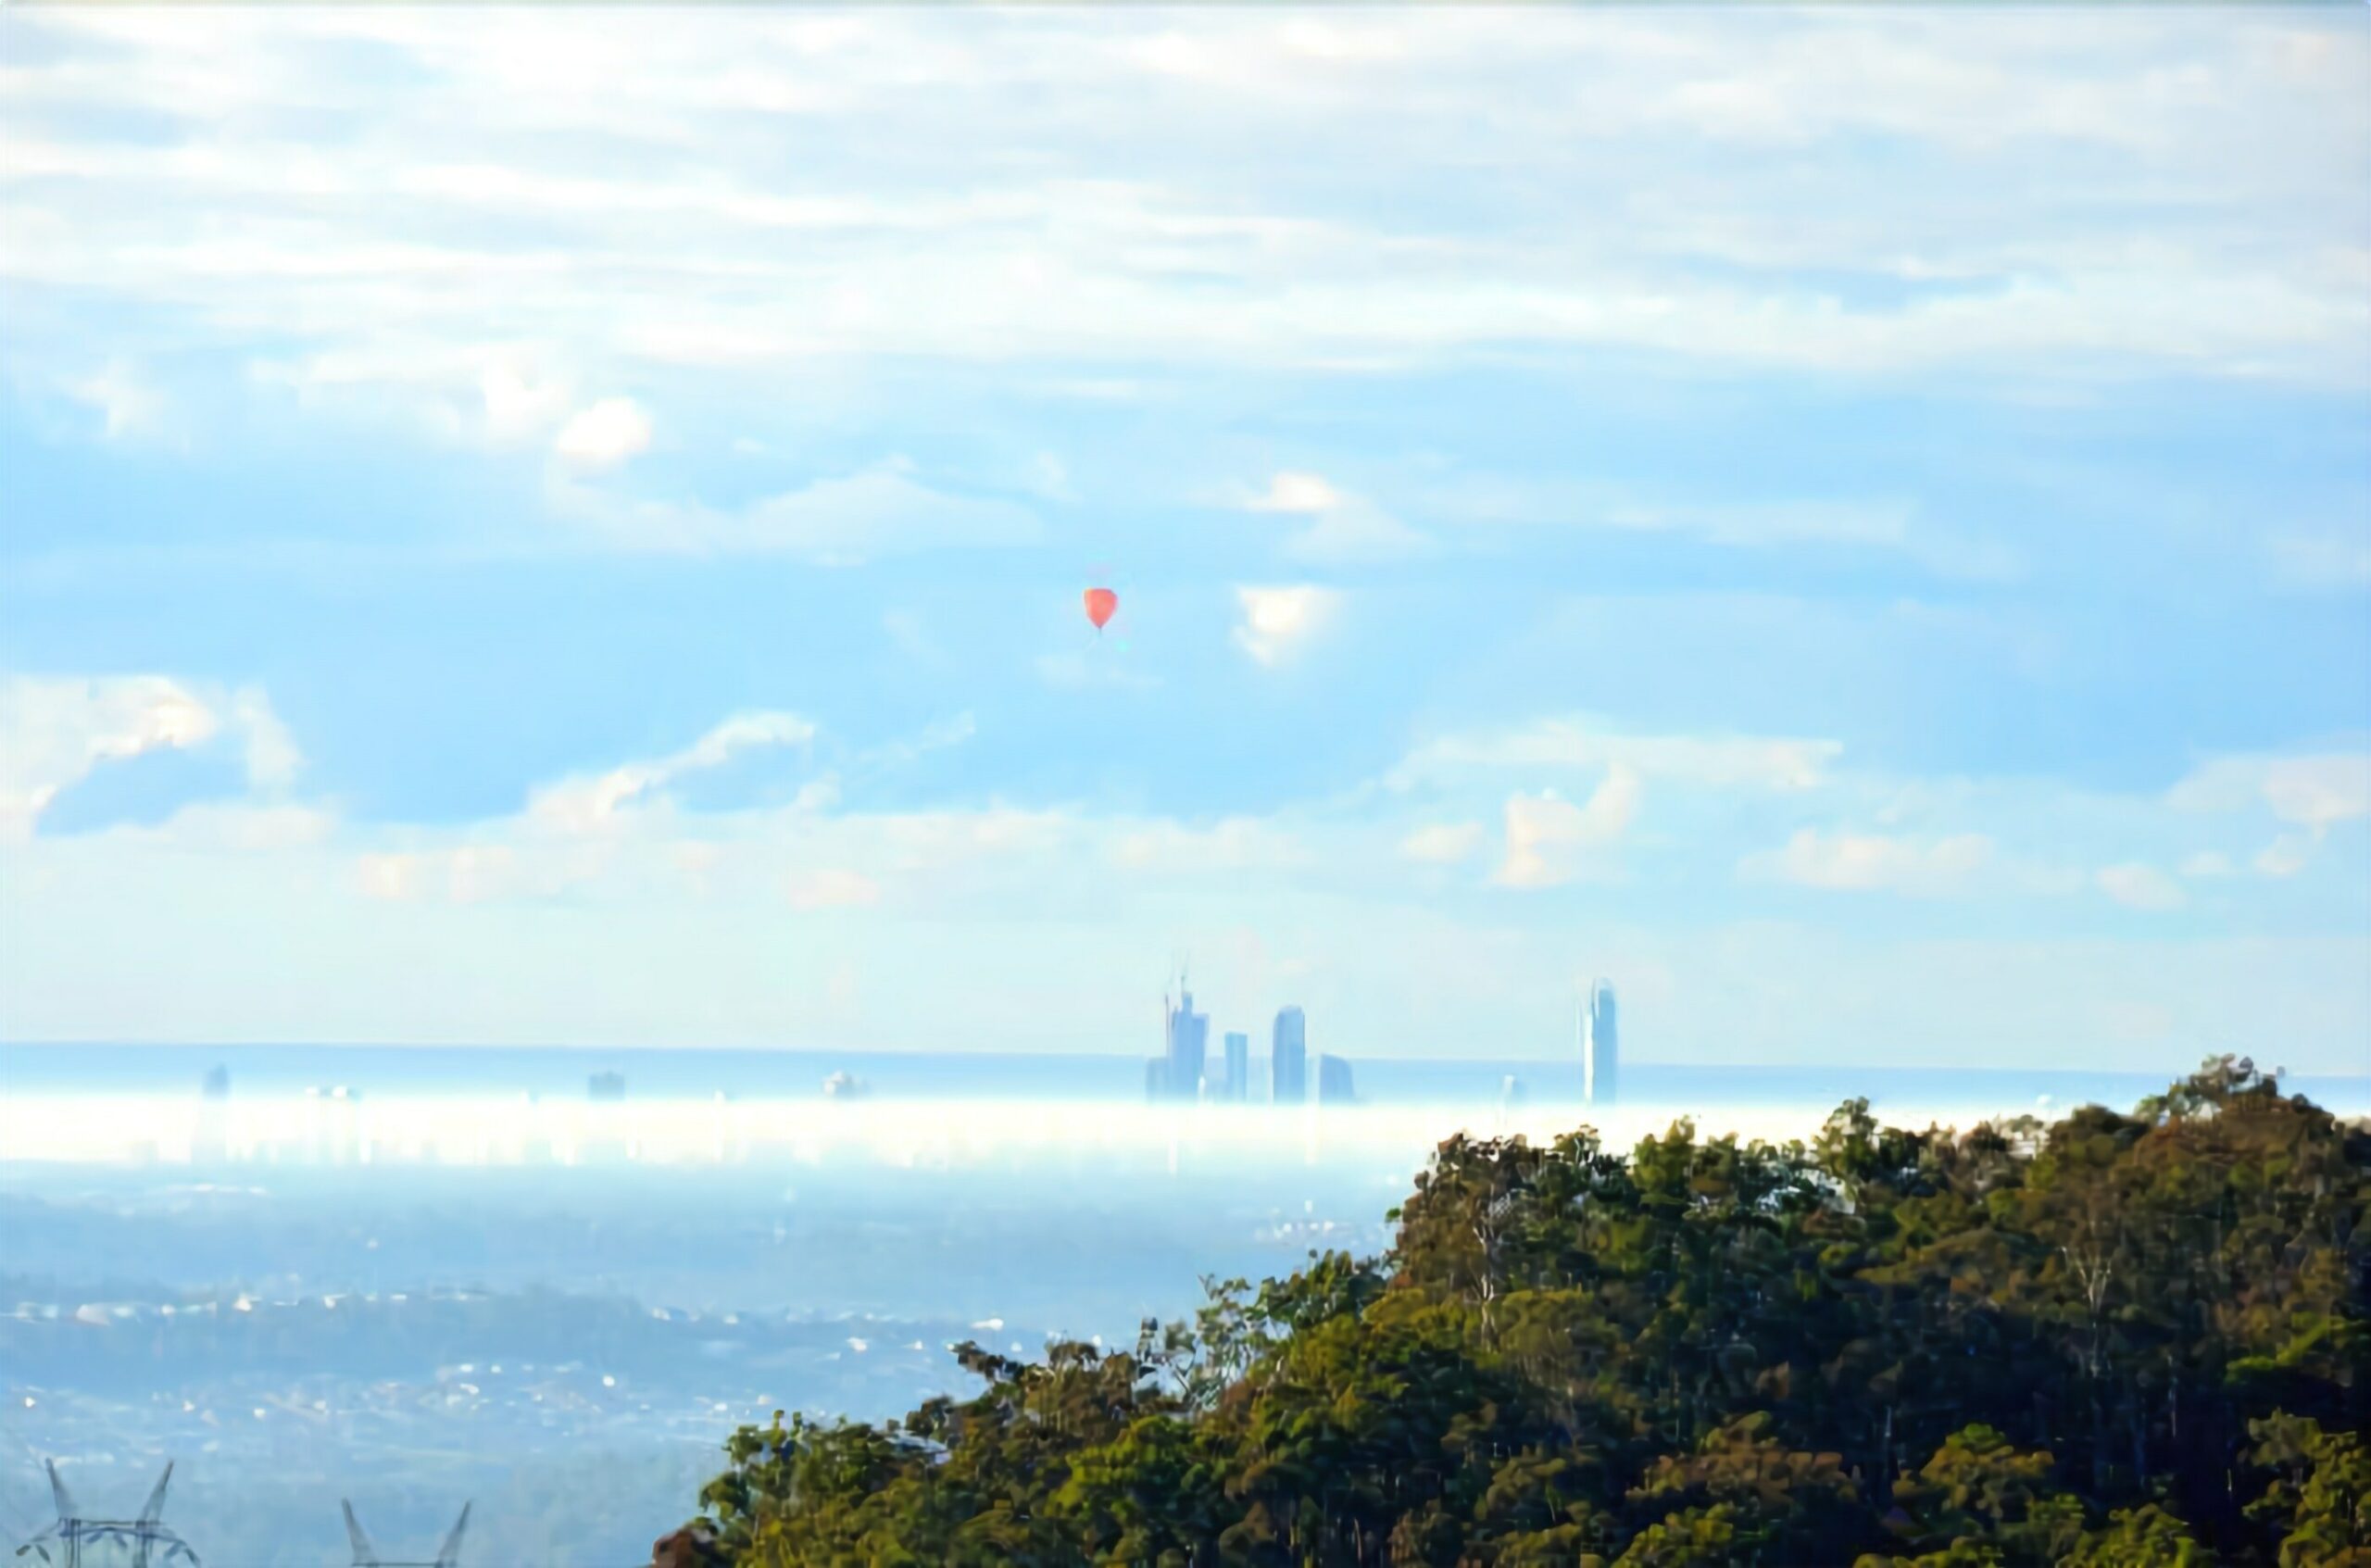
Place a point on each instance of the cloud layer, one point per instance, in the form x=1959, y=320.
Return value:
x=1357, y=878
x=967, y=217
x=577, y=528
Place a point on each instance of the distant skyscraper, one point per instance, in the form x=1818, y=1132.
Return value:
x=1601, y=1048
x=1238, y=1066
x=1333, y=1081
x=210, y=1145
x=1288, y=1058
x=1188, y=1044
x=605, y=1086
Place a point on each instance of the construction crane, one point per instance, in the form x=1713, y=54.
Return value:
x=145, y=1541
x=367, y=1556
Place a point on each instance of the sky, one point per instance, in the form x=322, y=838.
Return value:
x=570, y=528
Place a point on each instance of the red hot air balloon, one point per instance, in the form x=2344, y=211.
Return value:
x=1100, y=603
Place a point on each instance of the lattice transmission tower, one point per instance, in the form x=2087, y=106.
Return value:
x=144, y=1542
x=367, y=1556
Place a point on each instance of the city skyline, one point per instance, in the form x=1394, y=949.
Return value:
x=1183, y=1071
x=552, y=570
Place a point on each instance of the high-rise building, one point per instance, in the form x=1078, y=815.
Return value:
x=1333, y=1081
x=1238, y=1066
x=1188, y=1042
x=1601, y=1047
x=210, y=1145
x=1288, y=1058
x=605, y=1086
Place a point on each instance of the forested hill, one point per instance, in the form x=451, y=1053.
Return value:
x=2119, y=1339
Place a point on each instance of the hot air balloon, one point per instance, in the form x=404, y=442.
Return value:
x=1100, y=603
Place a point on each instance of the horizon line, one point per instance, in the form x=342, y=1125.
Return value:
x=991, y=1054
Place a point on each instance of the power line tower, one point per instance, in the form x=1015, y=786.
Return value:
x=367, y=1556
x=145, y=1541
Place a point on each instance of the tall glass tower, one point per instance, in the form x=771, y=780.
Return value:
x=1288, y=1058
x=1189, y=1038
x=1601, y=1048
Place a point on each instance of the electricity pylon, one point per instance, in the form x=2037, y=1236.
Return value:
x=150, y=1543
x=367, y=1556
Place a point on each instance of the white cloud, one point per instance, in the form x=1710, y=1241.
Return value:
x=833, y=888
x=649, y=962
x=937, y=840
x=689, y=922
x=743, y=731
x=394, y=877
x=1354, y=535
x=520, y=406
x=1890, y=525
x=2318, y=792
x=1717, y=760
x=1778, y=522
x=494, y=864
x=477, y=875
x=2138, y=886
x=1548, y=838
x=272, y=758
x=604, y=434
x=2285, y=856
x=2315, y=793
x=1344, y=529
x=614, y=836
x=603, y=802
x=227, y=827
x=2312, y=792
x=130, y=406
x=1277, y=622
x=1873, y=862
x=519, y=175
x=876, y=511
x=1234, y=844
x=1442, y=843
x=2208, y=863
x=54, y=731
x=1886, y=525
x=1303, y=493
x=938, y=735
x=242, y=828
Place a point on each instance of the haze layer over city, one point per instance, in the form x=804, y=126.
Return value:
x=696, y=703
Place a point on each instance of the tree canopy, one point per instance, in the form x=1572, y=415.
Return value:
x=2129, y=1339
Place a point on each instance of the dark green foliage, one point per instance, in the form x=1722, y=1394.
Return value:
x=2319, y=1503
x=2134, y=1340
